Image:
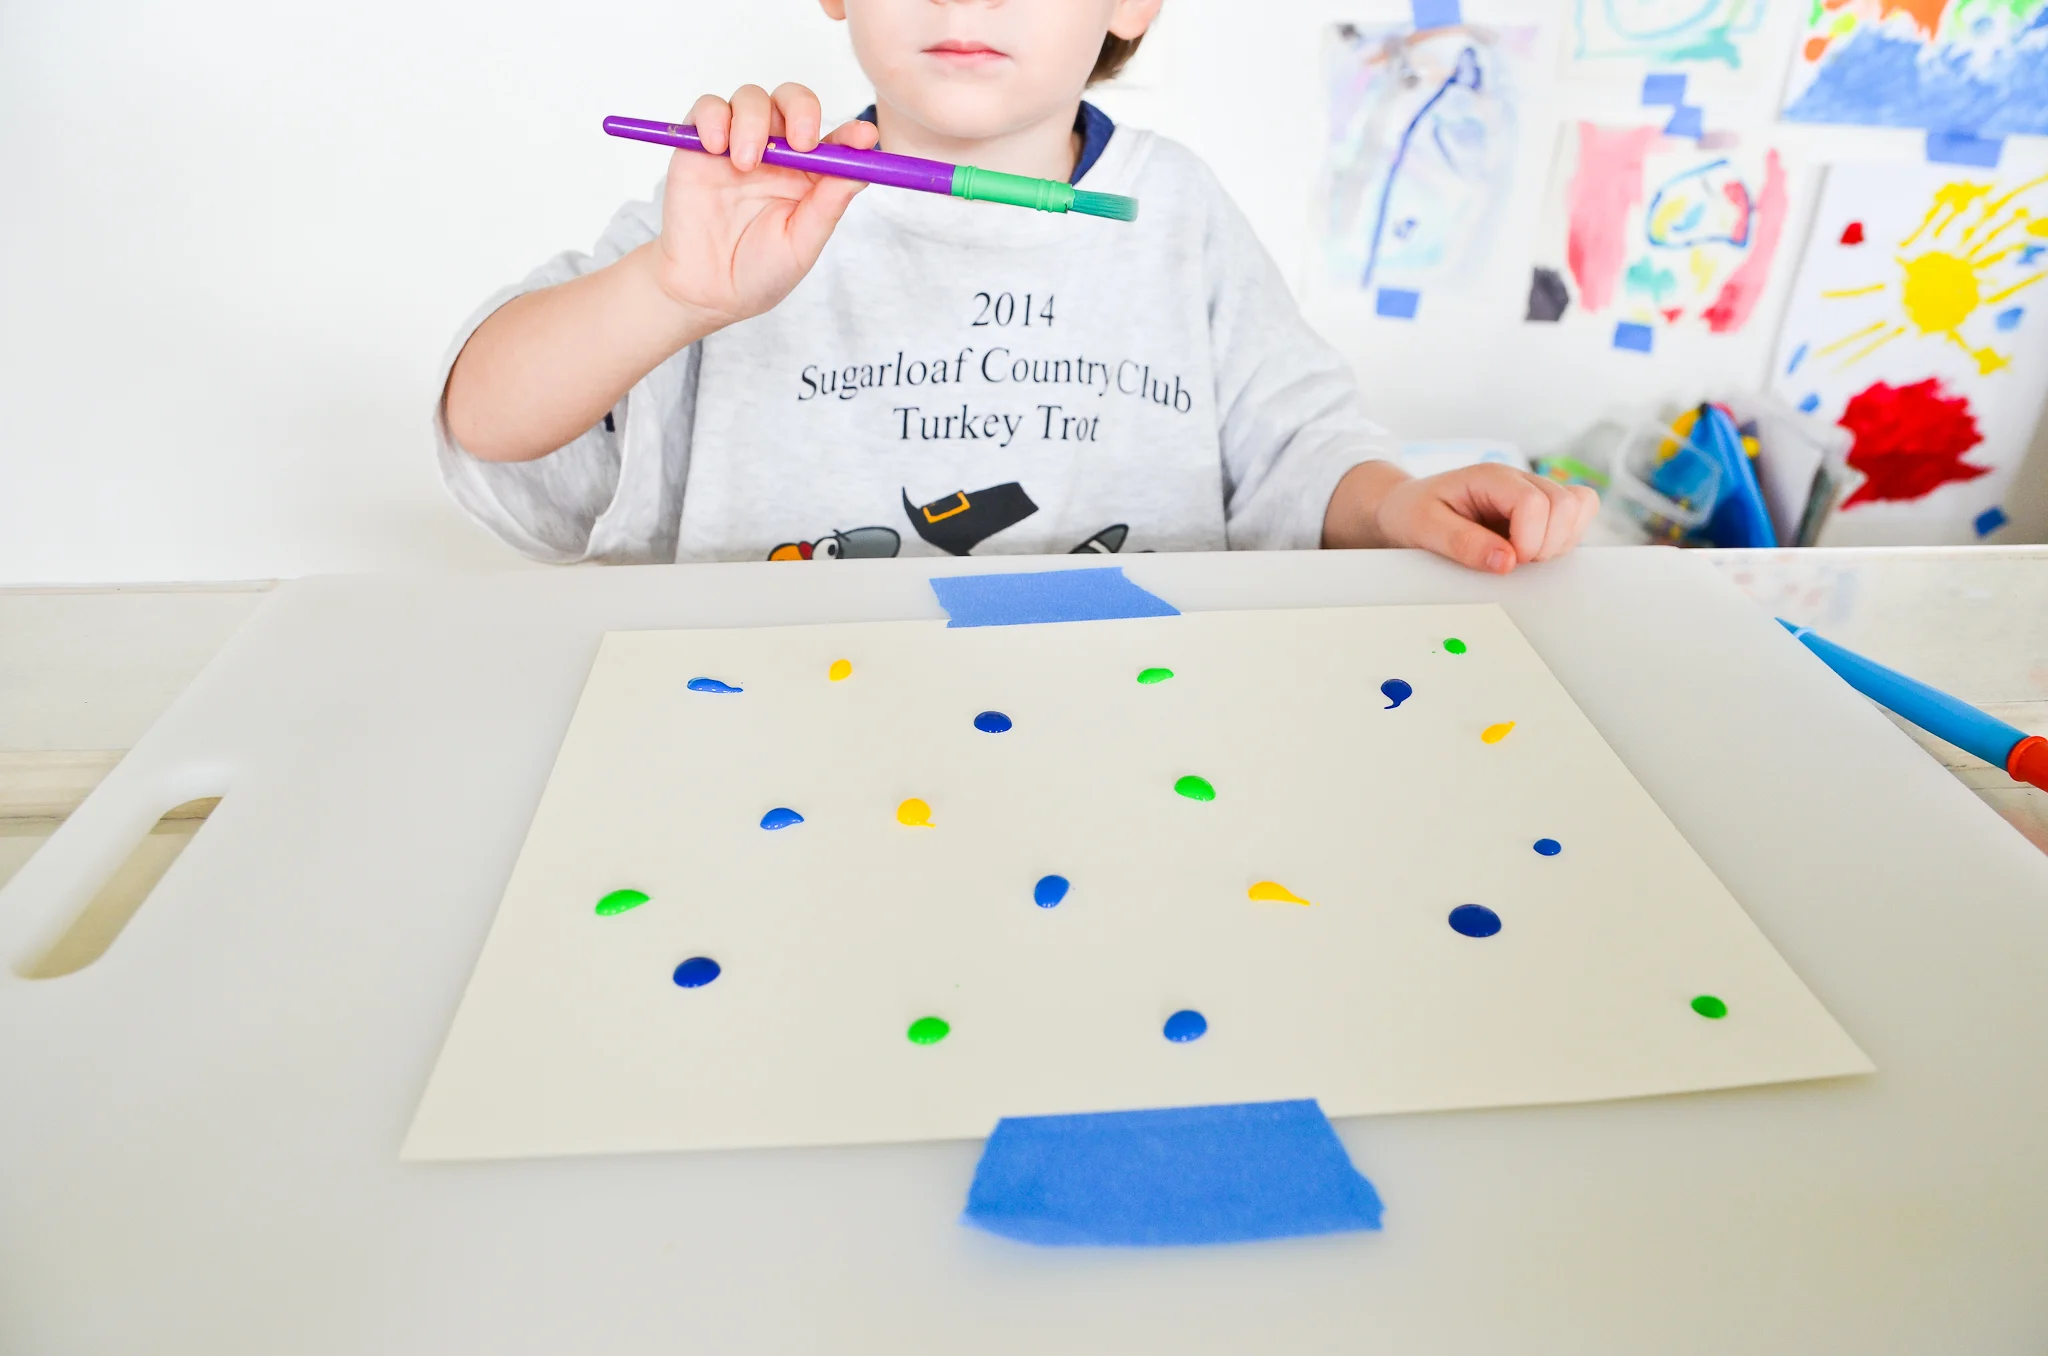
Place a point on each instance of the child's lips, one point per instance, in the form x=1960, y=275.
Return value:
x=956, y=53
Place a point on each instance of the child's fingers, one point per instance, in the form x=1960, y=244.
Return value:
x=816, y=213
x=1506, y=495
x=1439, y=527
x=1562, y=530
x=802, y=118
x=753, y=115
x=712, y=117
x=856, y=133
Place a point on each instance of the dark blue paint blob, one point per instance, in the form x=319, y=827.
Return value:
x=1049, y=891
x=711, y=685
x=1186, y=1025
x=781, y=817
x=1549, y=847
x=1395, y=692
x=1474, y=920
x=991, y=722
x=696, y=972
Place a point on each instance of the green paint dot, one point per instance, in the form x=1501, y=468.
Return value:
x=1454, y=645
x=928, y=1031
x=618, y=901
x=1195, y=788
x=1154, y=675
x=1706, y=1005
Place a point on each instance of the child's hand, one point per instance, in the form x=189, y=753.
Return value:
x=1487, y=517
x=737, y=235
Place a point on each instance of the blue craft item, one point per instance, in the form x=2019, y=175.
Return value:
x=1740, y=519
x=1397, y=303
x=1436, y=13
x=1989, y=521
x=1687, y=120
x=1633, y=337
x=1045, y=596
x=1198, y=1174
x=1663, y=87
x=1688, y=478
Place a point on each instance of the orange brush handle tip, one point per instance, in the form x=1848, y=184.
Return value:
x=2028, y=761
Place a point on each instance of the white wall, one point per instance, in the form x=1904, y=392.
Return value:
x=234, y=238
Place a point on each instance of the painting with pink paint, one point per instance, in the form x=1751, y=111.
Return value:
x=1645, y=232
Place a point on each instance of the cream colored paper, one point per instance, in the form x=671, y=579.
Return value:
x=835, y=934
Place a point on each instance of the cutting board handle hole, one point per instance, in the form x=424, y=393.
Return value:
x=117, y=901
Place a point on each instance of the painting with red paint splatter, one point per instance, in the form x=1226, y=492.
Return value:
x=1910, y=440
x=1656, y=231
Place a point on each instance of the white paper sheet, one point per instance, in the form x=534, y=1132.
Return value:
x=836, y=934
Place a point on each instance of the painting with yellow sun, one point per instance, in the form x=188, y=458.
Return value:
x=1916, y=322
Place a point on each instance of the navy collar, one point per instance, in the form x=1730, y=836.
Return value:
x=1092, y=123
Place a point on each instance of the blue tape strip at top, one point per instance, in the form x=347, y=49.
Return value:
x=1436, y=13
x=1961, y=148
x=1202, y=1174
x=1661, y=87
x=1045, y=596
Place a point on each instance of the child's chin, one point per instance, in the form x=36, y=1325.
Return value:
x=972, y=107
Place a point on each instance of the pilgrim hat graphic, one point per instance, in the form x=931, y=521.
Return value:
x=963, y=520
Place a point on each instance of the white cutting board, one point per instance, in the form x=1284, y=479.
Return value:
x=199, y=1133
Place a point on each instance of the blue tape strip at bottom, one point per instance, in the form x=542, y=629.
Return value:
x=1436, y=13
x=1961, y=148
x=1397, y=303
x=1185, y=1175
x=1045, y=596
x=1636, y=338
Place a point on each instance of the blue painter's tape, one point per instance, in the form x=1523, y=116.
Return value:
x=1663, y=87
x=1397, y=303
x=1633, y=337
x=1045, y=596
x=1197, y=1174
x=1436, y=13
x=1687, y=120
x=1961, y=148
x=1989, y=521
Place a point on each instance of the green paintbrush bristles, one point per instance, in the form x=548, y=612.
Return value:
x=1112, y=205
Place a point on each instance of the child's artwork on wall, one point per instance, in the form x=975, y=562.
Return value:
x=1978, y=67
x=1423, y=133
x=1917, y=323
x=1669, y=34
x=1645, y=232
x=896, y=881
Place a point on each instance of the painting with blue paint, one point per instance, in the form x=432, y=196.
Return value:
x=1420, y=155
x=1978, y=67
x=1667, y=33
x=711, y=685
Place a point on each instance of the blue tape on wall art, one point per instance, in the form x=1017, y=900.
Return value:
x=1687, y=120
x=1436, y=13
x=1960, y=148
x=1636, y=338
x=1661, y=87
x=1397, y=303
x=1045, y=596
x=1198, y=1174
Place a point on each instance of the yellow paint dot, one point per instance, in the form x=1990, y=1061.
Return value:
x=841, y=669
x=915, y=814
x=1844, y=24
x=1274, y=892
x=1941, y=291
x=1493, y=734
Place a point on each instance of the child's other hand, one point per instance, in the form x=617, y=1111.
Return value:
x=737, y=235
x=1487, y=517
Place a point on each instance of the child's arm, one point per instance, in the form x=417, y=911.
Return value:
x=736, y=236
x=1456, y=514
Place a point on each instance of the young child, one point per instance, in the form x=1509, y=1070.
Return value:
x=770, y=364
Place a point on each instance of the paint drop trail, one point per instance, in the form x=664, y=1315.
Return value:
x=711, y=685
x=1272, y=891
x=1454, y=646
x=1396, y=692
x=1186, y=1025
x=1195, y=788
x=1049, y=891
x=1549, y=847
x=928, y=1030
x=1474, y=920
x=696, y=972
x=992, y=722
x=914, y=813
x=1710, y=1007
x=781, y=817
x=1493, y=734
x=1154, y=675
x=841, y=670
x=619, y=901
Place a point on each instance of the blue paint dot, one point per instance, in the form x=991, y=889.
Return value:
x=1474, y=920
x=1186, y=1025
x=1549, y=847
x=1809, y=402
x=991, y=722
x=2010, y=320
x=1989, y=521
x=1396, y=692
x=696, y=972
x=781, y=817
x=711, y=685
x=1049, y=891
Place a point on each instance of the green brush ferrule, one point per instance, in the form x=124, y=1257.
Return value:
x=1044, y=195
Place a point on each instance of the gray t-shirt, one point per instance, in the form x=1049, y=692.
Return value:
x=957, y=376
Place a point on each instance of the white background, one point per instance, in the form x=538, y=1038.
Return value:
x=235, y=237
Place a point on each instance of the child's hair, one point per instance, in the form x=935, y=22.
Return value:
x=1115, y=52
